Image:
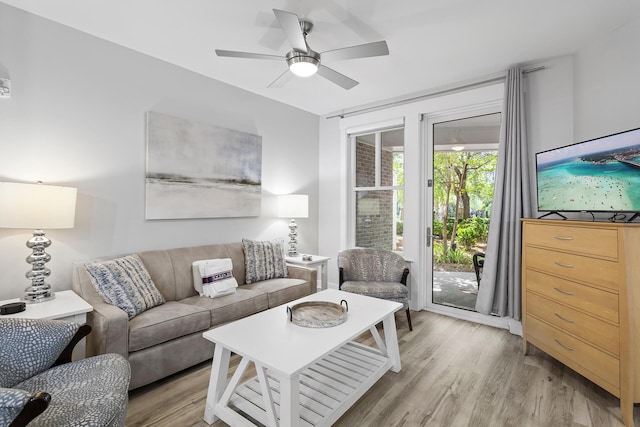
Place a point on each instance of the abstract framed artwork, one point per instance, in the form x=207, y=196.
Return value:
x=197, y=170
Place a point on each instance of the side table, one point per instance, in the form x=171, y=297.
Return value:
x=317, y=261
x=67, y=305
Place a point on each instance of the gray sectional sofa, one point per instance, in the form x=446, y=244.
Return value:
x=168, y=338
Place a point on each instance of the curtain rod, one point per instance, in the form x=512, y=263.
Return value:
x=429, y=95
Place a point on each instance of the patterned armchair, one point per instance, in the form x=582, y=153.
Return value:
x=375, y=273
x=41, y=386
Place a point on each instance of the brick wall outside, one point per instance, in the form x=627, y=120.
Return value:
x=378, y=233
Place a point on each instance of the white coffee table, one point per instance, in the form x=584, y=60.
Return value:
x=305, y=376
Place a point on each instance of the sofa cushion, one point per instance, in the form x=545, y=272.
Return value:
x=125, y=283
x=263, y=260
x=182, y=260
x=160, y=266
x=282, y=290
x=166, y=322
x=214, y=277
x=228, y=308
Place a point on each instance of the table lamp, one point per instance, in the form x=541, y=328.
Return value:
x=293, y=206
x=37, y=206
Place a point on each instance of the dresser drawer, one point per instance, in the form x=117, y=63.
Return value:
x=589, y=361
x=595, y=301
x=586, y=240
x=595, y=331
x=582, y=269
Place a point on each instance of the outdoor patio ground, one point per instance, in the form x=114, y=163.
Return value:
x=455, y=288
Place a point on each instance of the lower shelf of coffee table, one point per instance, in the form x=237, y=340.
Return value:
x=327, y=388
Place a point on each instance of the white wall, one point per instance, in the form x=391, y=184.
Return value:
x=606, y=84
x=77, y=118
x=549, y=110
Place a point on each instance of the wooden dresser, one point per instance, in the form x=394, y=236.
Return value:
x=581, y=300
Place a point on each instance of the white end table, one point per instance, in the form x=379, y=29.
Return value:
x=67, y=305
x=317, y=261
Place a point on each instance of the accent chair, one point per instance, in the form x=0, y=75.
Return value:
x=41, y=386
x=375, y=273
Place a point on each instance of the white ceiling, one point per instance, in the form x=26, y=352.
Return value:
x=432, y=43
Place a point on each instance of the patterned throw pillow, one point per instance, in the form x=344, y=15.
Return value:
x=30, y=346
x=125, y=283
x=263, y=260
x=214, y=277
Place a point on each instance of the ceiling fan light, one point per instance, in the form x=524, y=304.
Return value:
x=303, y=69
x=303, y=64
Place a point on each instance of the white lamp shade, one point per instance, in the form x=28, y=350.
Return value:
x=293, y=206
x=35, y=206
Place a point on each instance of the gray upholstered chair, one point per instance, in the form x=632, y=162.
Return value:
x=375, y=273
x=41, y=386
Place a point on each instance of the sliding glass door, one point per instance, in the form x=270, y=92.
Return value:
x=461, y=169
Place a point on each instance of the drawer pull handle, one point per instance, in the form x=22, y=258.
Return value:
x=564, y=318
x=562, y=238
x=564, y=292
x=564, y=345
x=563, y=265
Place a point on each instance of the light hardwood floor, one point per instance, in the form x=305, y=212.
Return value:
x=454, y=373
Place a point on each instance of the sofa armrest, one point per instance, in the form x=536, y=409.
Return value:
x=110, y=325
x=304, y=273
x=110, y=330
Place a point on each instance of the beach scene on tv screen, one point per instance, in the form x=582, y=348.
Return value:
x=597, y=175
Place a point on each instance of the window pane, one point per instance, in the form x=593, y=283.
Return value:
x=392, y=158
x=365, y=161
x=379, y=219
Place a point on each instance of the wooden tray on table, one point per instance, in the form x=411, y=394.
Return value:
x=318, y=314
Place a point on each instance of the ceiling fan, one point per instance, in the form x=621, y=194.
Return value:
x=304, y=61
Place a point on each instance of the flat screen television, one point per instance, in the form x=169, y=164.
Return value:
x=599, y=175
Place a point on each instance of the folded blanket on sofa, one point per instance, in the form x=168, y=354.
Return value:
x=214, y=277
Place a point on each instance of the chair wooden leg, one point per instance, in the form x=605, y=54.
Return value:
x=409, y=320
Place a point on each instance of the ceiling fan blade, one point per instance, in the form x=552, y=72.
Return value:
x=337, y=78
x=291, y=26
x=235, y=54
x=360, y=51
x=282, y=79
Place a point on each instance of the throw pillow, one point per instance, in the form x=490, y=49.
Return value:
x=214, y=277
x=264, y=260
x=30, y=346
x=125, y=283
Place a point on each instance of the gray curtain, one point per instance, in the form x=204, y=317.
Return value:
x=500, y=289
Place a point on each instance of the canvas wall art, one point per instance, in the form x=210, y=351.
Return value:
x=197, y=170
